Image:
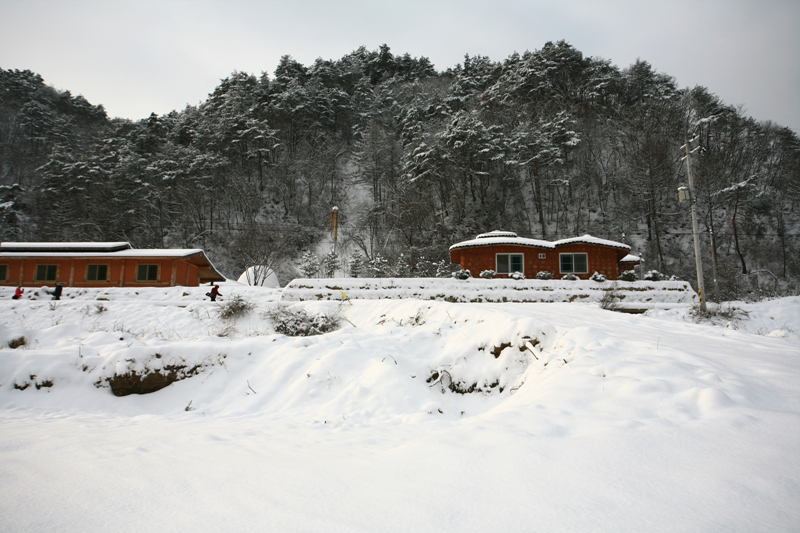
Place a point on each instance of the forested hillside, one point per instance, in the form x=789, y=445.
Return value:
x=549, y=144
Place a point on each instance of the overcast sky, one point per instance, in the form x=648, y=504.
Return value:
x=141, y=56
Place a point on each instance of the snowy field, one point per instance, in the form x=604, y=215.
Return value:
x=413, y=416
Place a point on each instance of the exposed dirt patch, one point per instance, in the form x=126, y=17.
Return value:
x=443, y=378
x=16, y=343
x=45, y=383
x=135, y=383
x=497, y=350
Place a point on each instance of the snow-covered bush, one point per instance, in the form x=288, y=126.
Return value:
x=462, y=274
x=628, y=275
x=598, y=277
x=488, y=274
x=544, y=274
x=570, y=277
x=516, y=275
x=654, y=275
x=235, y=307
x=296, y=322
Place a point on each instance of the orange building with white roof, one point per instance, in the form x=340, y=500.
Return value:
x=505, y=253
x=102, y=264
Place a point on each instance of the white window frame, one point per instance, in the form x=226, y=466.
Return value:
x=497, y=264
x=573, y=271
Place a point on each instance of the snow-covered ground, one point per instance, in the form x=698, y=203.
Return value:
x=578, y=419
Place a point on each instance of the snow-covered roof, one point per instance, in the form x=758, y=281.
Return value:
x=497, y=237
x=588, y=239
x=497, y=233
x=63, y=246
x=630, y=258
x=127, y=253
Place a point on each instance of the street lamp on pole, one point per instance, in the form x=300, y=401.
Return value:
x=687, y=194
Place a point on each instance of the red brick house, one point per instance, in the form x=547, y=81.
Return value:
x=505, y=252
x=102, y=264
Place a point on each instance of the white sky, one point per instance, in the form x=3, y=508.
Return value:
x=143, y=56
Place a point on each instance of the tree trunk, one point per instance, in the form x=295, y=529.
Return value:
x=538, y=196
x=736, y=235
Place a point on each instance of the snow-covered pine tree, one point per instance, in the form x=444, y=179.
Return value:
x=378, y=267
x=424, y=268
x=330, y=264
x=444, y=269
x=356, y=265
x=402, y=268
x=309, y=264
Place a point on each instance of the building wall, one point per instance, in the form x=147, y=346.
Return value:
x=600, y=259
x=121, y=272
x=480, y=258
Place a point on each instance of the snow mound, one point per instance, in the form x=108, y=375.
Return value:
x=409, y=401
x=260, y=276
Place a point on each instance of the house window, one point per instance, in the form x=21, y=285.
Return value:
x=508, y=263
x=97, y=273
x=46, y=272
x=574, y=264
x=147, y=273
x=3, y=272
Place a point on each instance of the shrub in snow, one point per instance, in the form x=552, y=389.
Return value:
x=488, y=274
x=628, y=275
x=654, y=275
x=610, y=300
x=544, y=274
x=235, y=307
x=462, y=274
x=597, y=276
x=516, y=275
x=570, y=277
x=296, y=322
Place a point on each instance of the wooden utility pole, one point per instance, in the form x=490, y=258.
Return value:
x=682, y=196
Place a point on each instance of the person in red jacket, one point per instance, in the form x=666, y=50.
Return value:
x=18, y=293
x=214, y=293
